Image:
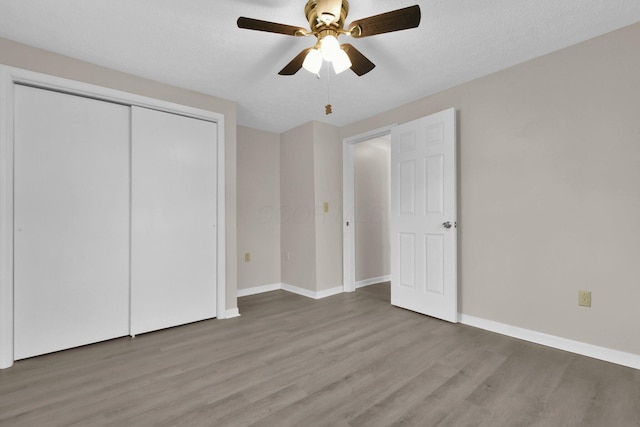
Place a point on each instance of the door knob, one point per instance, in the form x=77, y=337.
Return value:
x=446, y=224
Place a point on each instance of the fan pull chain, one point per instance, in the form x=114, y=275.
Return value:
x=327, y=108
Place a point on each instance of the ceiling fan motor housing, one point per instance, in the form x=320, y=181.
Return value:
x=326, y=13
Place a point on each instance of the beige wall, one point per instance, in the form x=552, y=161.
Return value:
x=29, y=58
x=258, y=207
x=372, y=174
x=327, y=158
x=311, y=174
x=549, y=199
x=298, y=235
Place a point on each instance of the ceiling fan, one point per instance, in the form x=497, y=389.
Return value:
x=327, y=22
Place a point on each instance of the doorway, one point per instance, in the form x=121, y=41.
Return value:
x=366, y=204
x=423, y=214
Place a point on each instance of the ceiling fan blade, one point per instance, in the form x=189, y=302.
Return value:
x=360, y=64
x=270, y=27
x=296, y=63
x=401, y=19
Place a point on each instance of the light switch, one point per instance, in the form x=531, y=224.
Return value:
x=325, y=207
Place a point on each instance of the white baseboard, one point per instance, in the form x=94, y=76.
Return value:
x=290, y=288
x=299, y=291
x=258, y=290
x=231, y=313
x=602, y=353
x=312, y=294
x=372, y=281
x=329, y=292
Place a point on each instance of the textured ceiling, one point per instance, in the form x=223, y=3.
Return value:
x=195, y=44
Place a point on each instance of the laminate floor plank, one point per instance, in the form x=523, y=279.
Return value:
x=381, y=291
x=395, y=370
x=347, y=360
x=435, y=407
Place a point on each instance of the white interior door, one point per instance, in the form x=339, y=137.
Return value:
x=423, y=216
x=71, y=227
x=173, y=235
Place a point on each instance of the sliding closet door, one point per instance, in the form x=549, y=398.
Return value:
x=71, y=246
x=173, y=263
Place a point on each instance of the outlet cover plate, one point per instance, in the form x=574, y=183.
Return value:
x=584, y=298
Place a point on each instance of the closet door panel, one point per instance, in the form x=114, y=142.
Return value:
x=173, y=270
x=71, y=223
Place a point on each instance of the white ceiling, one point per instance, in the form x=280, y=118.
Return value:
x=195, y=44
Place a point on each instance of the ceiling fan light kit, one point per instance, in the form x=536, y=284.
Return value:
x=313, y=61
x=327, y=22
x=341, y=62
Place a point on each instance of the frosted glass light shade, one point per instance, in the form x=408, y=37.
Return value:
x=313, y=61
x=330, y=48
x=341, y=62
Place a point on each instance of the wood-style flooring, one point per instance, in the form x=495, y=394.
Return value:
x=347, y=360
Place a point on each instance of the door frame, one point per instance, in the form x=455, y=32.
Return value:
x=348, y=203
x=9, y=77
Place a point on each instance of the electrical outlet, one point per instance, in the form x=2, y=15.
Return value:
x=247, y=257
x=584, y=298
x=288, y=256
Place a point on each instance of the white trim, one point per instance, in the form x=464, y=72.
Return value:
x=348, y=203
x=299, y=291
x=6, y=219
x=372, y=281
x=290, y=288
x=231, y=313
x=9, y=76
x=348, y=216
x=312, y=294
x=602, y=353
x=258, y=290
x=221, y=227
x=32, y=78
x=372, y=134
x=329, y=292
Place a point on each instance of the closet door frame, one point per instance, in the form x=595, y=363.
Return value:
x=9, y=77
